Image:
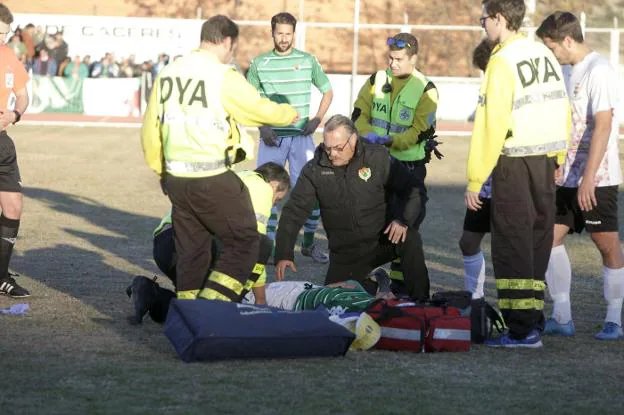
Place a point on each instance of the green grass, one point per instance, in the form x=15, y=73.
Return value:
x=90, y=207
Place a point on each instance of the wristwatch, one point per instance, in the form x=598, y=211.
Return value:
x=18, y=116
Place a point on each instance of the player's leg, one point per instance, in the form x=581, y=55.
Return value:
x=568, y=218
x=11, y=203
x=476, y=224
x=602, y=223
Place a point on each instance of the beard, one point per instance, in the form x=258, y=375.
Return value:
x=283, y=47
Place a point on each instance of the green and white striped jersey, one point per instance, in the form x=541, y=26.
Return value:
x=288, y=79
x=337, y=300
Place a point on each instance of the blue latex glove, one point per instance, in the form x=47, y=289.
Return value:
x=373, y=138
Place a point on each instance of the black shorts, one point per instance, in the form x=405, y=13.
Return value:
x=10, y=180
x=479, y=221
x=603, y=218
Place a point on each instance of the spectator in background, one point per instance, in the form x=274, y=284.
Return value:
x=76, y=69
x=38, y=35
x=96, y=69
x=126, y=69
x=62, y=50
x=29, y=42
x=110, y=68
x=62, y=66
x=87, y=61
x=49, y=45
x=163, y=60
x=44, y=65
x=18, y=46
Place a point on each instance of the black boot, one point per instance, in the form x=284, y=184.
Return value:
x=143, y=292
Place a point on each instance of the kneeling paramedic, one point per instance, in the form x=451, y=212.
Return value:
x=353, y=182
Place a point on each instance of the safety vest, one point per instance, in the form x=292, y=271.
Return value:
x=199, y=138
x=261, y=194
x=261, y=197
x=540, y=102
x=390, y=118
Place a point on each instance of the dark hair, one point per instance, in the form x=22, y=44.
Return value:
x=337, y=121
x=217, y=28
x=5, y=14
x=512, y=10
x=481, y=54
x=559, y=25
x=412, y=49
x=273, y=172
x=283, y=18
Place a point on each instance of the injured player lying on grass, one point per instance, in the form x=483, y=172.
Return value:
x=338, y=298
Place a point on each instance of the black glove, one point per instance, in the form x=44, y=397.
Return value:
x=311, y=126
x=268, y=136
x=431, y=146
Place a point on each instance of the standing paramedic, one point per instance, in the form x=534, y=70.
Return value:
x=286, y=75
x=13, y=103
x=191, y=139
x=588, y=180
x=397, y=108
x=521, y=125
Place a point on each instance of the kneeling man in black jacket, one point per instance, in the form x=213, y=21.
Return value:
x=369, y=204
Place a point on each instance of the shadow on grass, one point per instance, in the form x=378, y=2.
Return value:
x=89, y=276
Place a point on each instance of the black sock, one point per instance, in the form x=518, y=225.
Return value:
x=8, y=234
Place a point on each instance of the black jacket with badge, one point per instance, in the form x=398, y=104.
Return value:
x=353, y=200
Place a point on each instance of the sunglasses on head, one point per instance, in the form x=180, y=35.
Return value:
x=398, y=43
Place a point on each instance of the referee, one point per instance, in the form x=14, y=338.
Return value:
x=13, y=103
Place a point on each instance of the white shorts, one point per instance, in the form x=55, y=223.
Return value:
x=297, y=150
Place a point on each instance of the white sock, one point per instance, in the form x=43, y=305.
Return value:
x=559, y=280
x=614, y=294
x=474, y=274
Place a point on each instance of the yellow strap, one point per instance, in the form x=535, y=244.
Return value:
x=518, y=284
x=397, y=275
x=227, y=282
x=187, y=295
x=258, y=269
x=521, y=304
x=210, y=294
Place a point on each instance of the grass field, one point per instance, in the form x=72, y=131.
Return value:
x=90, y=207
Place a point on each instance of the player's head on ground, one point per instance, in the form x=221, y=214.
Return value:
x=561, y=32
x=481, y=54
x=277, y=177
x=339, y=140
x=502, y=18
x=220, y=35
x=402, y=54
x=6, y=18
x=283, y=31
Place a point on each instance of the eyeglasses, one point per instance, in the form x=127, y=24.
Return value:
x=398, y=43
x=483, y=19
x=339, y=148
